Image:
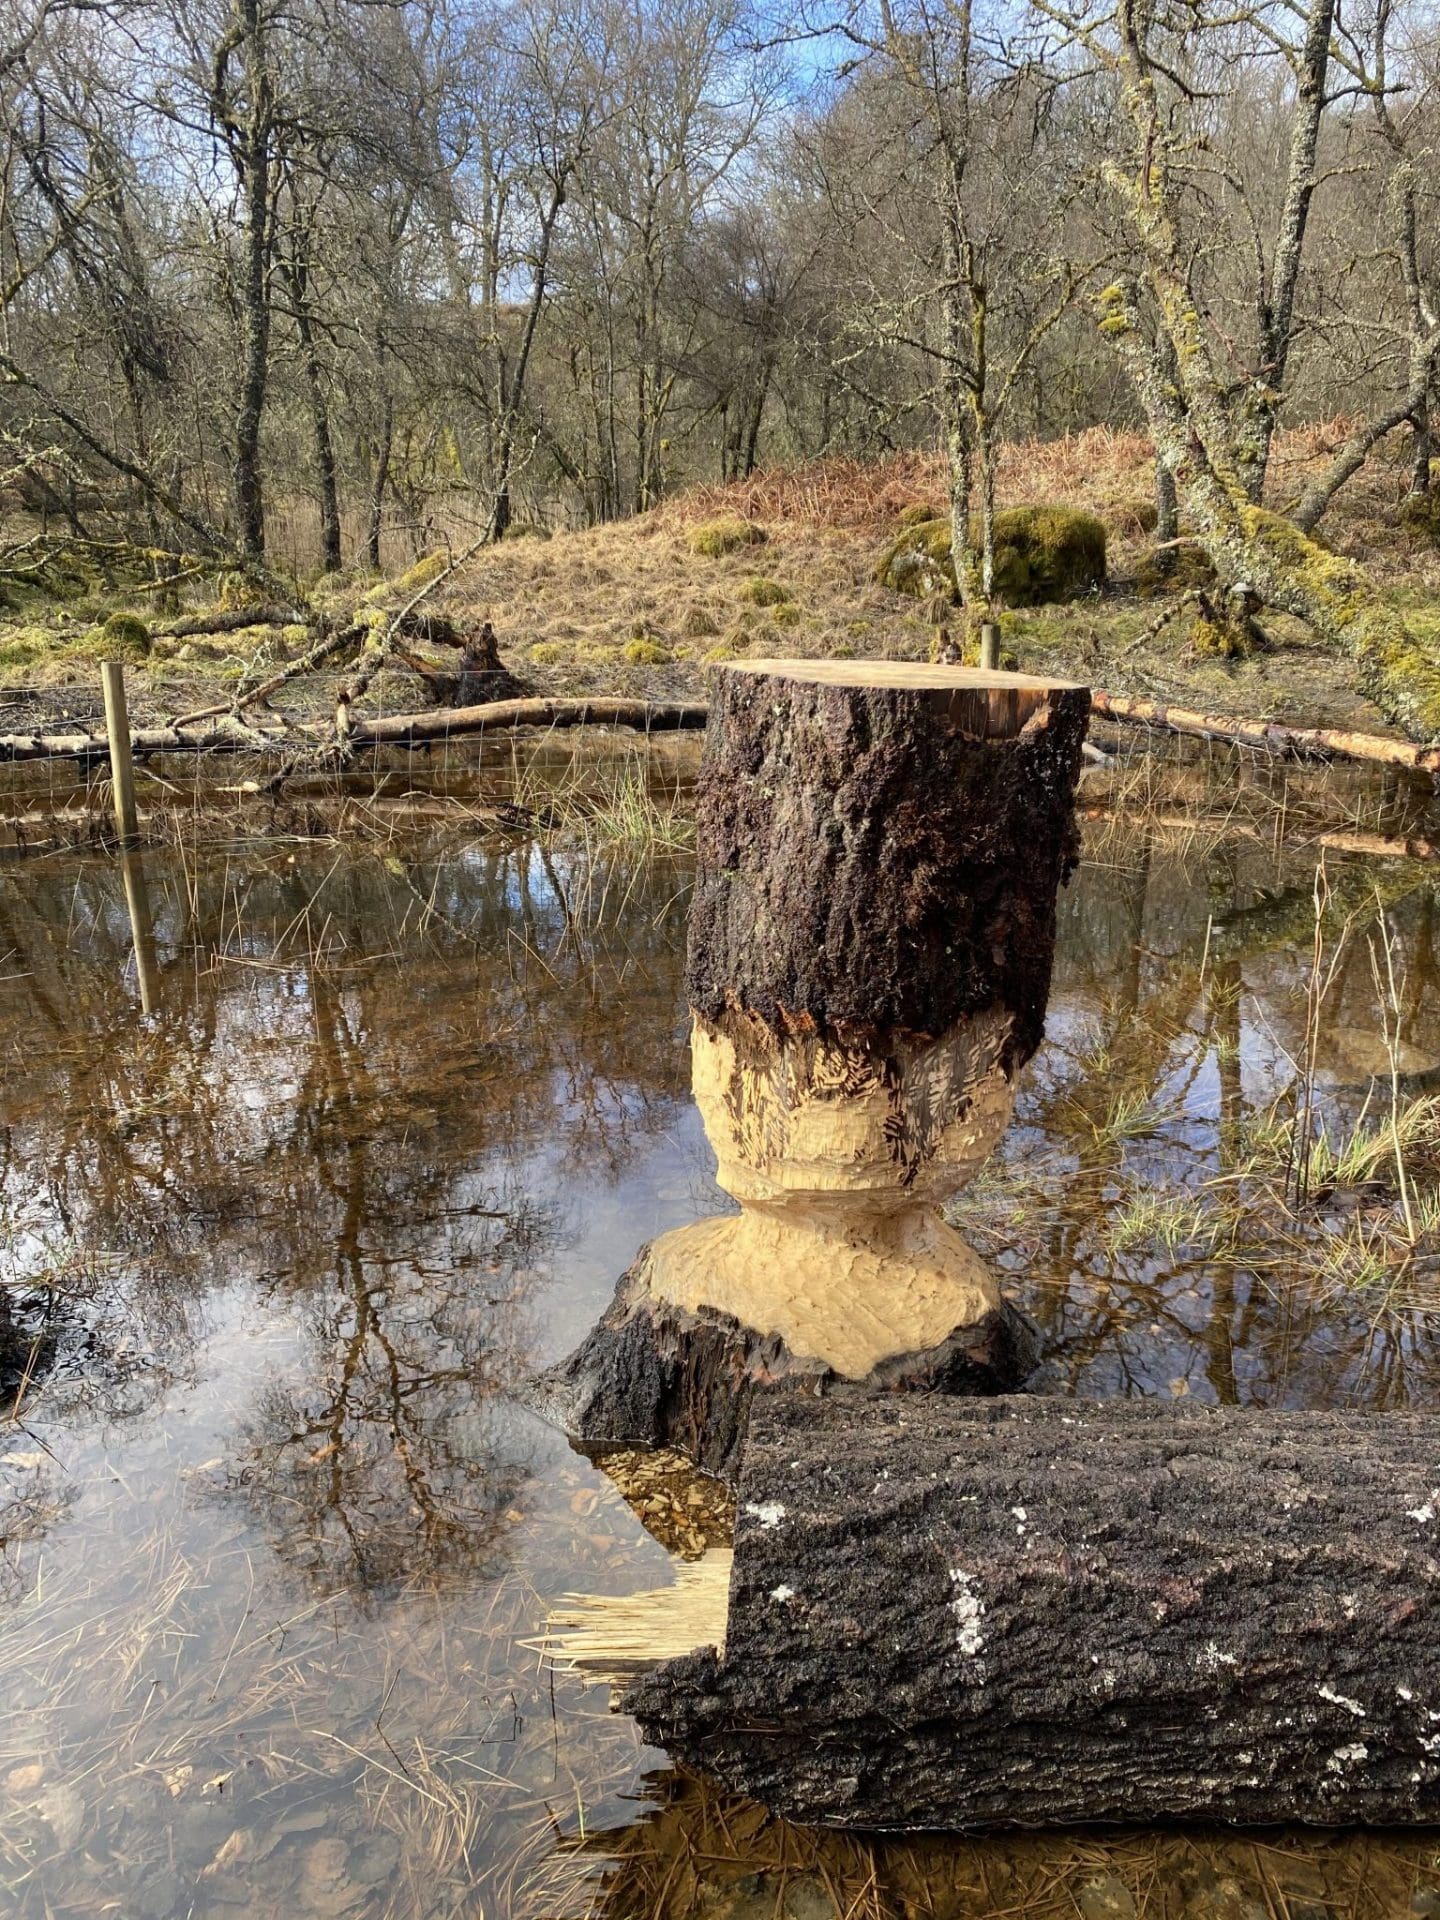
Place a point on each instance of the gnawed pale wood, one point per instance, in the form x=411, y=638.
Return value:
x=879, y=848
x=612, y=1637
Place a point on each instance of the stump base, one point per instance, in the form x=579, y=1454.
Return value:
x=655, y=1374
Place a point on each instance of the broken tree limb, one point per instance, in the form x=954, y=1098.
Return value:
x=229, y=620
x=1031, y=1612
x=221, y=734
x=415, y=729
x=879, y=849
x=1295, y=743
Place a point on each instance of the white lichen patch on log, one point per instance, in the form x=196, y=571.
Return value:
x=969, y=1610
x=769, y=1512
x=1341, y=1700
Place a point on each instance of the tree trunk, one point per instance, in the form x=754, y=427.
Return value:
x=1167, y=517
x=879, y=851
x=379, y=480
x=1030, y=1612
x=1420, y=453
x=255, y=167
x=324, y=443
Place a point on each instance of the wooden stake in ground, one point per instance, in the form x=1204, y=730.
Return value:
x=117, y=729
x=1031, y=1612
x=879, y=850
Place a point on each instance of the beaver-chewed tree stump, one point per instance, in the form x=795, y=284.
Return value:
x=1026, y=1611
x=879, y=848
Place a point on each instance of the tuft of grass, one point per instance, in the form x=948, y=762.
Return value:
x=760, y=592
x=1177, y=1223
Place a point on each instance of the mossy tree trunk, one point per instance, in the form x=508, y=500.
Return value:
x=1217, y=449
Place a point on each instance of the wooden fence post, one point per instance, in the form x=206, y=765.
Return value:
x=122, y=770
x=142, y=931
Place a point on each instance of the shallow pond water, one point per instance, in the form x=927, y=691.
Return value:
x=278, y=1252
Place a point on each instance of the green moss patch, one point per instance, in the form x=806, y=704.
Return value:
x=647, y=653
x=26, y=646
x=1169, y=570
x=714, y=538
x=760, y=592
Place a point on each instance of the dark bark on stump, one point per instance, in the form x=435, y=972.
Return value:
x=964, y=1614
x=656, y=1375
x=882, y=857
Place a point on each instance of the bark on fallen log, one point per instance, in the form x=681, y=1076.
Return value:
x=1293, y=743
x=229, y=620
x=1025, y=1612
x=397, y=730
x=1269, y=736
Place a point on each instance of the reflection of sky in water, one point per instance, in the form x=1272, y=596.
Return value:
x=276, y=1523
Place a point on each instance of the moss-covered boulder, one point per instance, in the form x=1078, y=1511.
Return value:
x=1042, y=555
x=714, y=538
x=124, y=636
x=919, y=512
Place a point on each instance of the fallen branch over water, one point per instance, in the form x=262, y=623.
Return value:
x=227, y=735
x=1289, y=743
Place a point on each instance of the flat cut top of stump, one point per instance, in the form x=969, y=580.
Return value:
x=979, y=699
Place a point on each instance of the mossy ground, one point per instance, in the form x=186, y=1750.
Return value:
x=570, y=611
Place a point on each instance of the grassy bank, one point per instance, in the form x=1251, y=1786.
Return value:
x=645, y=605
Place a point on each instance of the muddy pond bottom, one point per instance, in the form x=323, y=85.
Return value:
x=277, y=1255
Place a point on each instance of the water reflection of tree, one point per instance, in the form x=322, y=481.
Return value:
x=356, y=1064
x=388, y=1456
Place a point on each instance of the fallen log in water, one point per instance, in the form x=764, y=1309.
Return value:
x=1027, y=1611
x=415, y=729
x=224, y=735
x=1291, y=743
